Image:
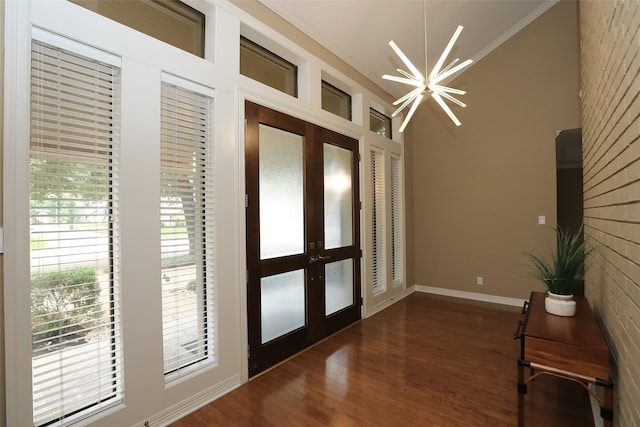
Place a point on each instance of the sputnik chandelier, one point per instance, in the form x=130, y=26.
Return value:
x=430, y=85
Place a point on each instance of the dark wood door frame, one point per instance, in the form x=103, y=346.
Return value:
x=262, y=356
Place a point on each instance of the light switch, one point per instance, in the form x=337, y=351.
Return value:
x=542, y=220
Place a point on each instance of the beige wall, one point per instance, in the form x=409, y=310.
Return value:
x=2, y=383
x=611, y=153
x=477, y=190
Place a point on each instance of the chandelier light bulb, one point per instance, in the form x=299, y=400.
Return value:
x=425, y=87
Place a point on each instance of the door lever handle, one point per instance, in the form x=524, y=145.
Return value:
x=316, y=258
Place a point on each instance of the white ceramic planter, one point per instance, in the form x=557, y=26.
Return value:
x=560, y=305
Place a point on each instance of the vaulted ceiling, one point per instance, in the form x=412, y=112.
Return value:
x=358, y=31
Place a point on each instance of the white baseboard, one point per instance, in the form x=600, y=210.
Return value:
x=189, y=405
x=370, y=311
x=470, y=295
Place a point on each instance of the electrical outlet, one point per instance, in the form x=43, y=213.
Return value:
x=479, y=281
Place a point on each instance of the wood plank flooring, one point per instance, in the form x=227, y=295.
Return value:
x=425, y=361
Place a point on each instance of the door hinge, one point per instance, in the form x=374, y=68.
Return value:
x=248, y=352
x=246, y=201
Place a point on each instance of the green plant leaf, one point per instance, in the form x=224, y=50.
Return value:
x=566, y=264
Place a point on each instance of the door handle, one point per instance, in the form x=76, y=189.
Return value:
x=316, y=258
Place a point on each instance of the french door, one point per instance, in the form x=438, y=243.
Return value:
x=303, y=234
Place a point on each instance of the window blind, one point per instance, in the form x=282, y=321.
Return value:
x=75, y=308
x=378, y=274
x=396, y=219
x=187, y=230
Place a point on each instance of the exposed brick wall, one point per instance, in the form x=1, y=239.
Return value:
x=610, y=60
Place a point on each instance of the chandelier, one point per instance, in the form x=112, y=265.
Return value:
x=431, y=85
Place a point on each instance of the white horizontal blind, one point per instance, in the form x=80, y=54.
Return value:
x=187, y=230
x=396, y=219
x=75, y=308
x=378, y=275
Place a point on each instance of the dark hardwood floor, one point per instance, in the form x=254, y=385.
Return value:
x=425, y=361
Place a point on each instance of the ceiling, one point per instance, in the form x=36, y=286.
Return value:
x=358, y=31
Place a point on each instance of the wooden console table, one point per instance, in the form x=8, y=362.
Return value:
x=568, y=347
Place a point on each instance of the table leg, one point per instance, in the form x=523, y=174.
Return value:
x=607, y=411
x=522, y=389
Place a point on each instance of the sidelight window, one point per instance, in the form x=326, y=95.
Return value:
x=397, y=258
x=75, y=238
x=187, y=228
x=378, y=220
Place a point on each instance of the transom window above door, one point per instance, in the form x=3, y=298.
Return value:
x=171, y=21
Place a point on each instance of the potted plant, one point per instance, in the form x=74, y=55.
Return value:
x=562, y=271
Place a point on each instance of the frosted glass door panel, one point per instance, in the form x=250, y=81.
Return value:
x=281, y=193
x=338, y=285
x=338, y=209
x=283, y=304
